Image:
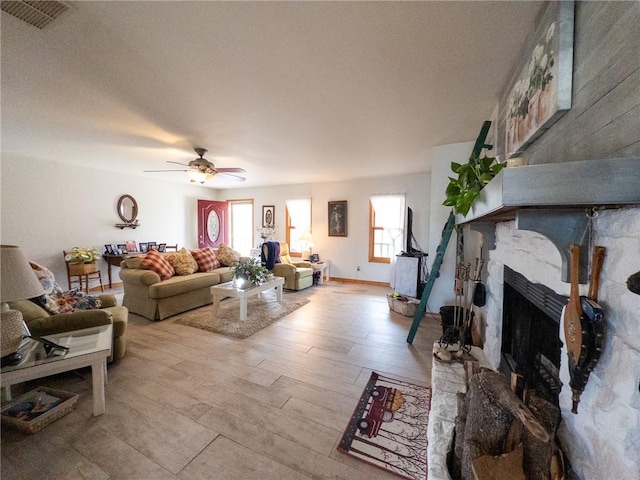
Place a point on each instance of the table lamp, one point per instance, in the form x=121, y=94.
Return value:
x=17, y=282
x=307, y=243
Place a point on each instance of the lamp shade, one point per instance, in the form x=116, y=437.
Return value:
x=306, y=237
x=17, y=279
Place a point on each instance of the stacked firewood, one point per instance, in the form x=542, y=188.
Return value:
x=498, y=435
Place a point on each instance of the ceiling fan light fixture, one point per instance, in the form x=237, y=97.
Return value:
x=197, y=175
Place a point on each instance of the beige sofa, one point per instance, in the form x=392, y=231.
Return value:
x=146, y=295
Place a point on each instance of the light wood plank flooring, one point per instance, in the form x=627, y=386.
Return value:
x=189, y=404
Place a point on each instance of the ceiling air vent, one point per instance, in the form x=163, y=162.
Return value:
x=37, y=14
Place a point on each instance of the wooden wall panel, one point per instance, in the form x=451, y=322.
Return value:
x=604, y=120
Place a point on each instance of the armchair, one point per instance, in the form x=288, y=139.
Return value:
x=58, y=311
x=297, y=275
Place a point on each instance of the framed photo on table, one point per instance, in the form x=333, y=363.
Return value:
x=122, y=249
x=131, y=246
x=338, y=218
x=143, y=247
x=268, y=215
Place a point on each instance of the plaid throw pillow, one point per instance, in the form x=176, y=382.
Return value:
x=156, y=262
x=206, y=259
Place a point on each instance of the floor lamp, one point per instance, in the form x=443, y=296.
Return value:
x=17, y=282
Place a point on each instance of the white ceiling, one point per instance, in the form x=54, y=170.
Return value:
x=293, y=92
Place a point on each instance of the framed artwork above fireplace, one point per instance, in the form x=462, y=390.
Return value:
x=540, y=91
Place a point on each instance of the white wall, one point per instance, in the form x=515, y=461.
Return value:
x=48, y=207
x=441, y=158
x=346, y=253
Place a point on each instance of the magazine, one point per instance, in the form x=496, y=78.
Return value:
x=39, y=403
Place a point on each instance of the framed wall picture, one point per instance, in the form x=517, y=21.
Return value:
x=268, y=215
x=540, y=91
x=338, y=218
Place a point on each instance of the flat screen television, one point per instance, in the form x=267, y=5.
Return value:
x=410, y=238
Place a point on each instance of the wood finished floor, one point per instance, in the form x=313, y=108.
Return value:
x=188, y=404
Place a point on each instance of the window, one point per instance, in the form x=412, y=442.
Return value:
x=241, y=225
x=386, y=225
x=298, y=224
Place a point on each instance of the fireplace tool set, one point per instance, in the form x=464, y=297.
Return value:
x=458, y=321
x=584, y=324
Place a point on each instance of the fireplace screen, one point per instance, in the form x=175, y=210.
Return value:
x=530, y=334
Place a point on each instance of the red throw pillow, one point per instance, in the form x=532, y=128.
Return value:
x=156, y=262
x=206, y=259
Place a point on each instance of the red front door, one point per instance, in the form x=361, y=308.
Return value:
x=212, y=223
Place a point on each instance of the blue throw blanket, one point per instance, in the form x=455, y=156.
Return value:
x=273, y=254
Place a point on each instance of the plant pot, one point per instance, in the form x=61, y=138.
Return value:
x=82, y=268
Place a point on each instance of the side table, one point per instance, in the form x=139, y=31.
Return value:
x=87, y=347
x=324, y=268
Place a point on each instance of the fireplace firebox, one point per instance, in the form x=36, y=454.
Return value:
x=530, y=335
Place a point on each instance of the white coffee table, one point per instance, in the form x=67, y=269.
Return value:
x=228, y=289
x=87, y=347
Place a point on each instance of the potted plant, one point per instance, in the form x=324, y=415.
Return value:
x=82, y=260
x=472, y=177
x=249, y=272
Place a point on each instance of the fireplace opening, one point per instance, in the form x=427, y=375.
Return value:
x=530, y=335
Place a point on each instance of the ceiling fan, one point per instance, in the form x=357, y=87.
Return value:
x=200, y=170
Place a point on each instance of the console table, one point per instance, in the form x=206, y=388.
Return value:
x=112, y=260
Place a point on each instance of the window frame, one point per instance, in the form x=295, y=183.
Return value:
x=372, y=236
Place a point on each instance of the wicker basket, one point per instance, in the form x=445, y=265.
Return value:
x=67, y=403
x=404, y=305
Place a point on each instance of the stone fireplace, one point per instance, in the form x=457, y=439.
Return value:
x=603, y=438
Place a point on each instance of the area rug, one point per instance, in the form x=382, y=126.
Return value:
x=261, y=312
x=388, y=428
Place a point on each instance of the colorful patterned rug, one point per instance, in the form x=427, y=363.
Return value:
x=388, y=428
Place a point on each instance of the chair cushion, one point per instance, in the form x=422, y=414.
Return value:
x=183, y=262
x=156, y=262
x=206, y=259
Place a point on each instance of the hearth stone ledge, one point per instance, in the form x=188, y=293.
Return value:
x=447, y=380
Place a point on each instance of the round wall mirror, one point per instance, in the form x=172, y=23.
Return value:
x=127, y=208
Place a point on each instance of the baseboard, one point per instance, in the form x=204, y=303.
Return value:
x=362, y=282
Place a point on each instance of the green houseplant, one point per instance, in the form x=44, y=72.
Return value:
x=250, y=271
x=82, y=255
x=472, y=177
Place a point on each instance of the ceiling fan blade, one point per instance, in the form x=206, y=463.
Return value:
x=237, y=178
x=229, y=170
x=164, y=170
x=177, y=163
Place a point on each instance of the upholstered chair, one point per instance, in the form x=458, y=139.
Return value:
x=297, y=275
x=57, y=311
